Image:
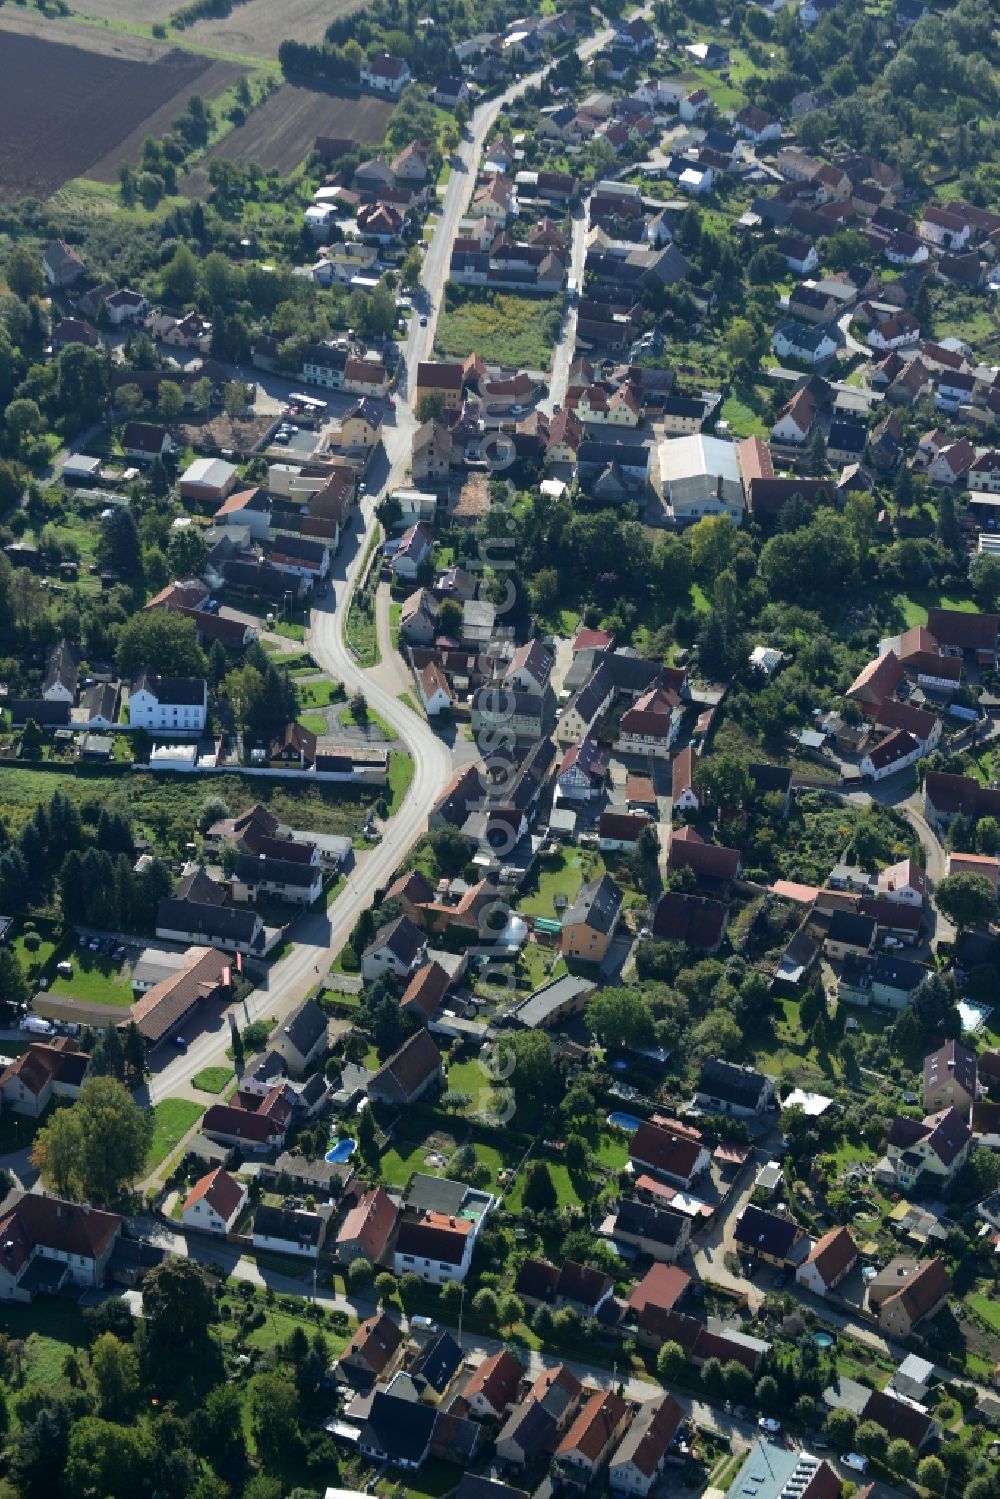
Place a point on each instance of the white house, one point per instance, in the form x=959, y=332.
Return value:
x=891, y=755
x=247, y=507
x=214, y=1203
x=396, y=949
x=61, y=674
x=288, y=1231
x=176, y=705
x=831, y=1258
x=126, y=307
x=757, y=125
x=808, y=344
x=898, y=332
x=73, y=1240
x=435, y=1246
x=413, y=548
x=800, y=255
x=639, y=1460
x=947, y=231
x=796, y=421
x=694, y=105
x=386, y=74
x=435, y=690
x=904, y=883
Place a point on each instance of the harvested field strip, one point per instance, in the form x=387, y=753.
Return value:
x=63, y=110
x=257, y=28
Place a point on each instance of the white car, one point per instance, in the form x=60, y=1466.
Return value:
x=770, y=1425
x=856, y=1461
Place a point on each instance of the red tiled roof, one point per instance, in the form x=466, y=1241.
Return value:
x=221, y=1191
x=833, y=1255
x=497, y=1379
x=595, y=1427
x=662, y=1286
x=878, y=680
x=689, y=851
x=370, y=1223
x=662, y=1150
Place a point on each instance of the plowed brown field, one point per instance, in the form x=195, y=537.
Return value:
x=63, y=110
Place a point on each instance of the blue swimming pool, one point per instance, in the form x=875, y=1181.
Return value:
x=627, y=1122
x=341, y=1152
x=823, y=1339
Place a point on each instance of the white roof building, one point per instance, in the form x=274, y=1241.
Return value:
x=700, y=476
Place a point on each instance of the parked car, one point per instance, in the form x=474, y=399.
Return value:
x=856, y=1461
x=36, y=1026
x=769, y=1424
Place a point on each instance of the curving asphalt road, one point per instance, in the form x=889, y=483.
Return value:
x=319, y=936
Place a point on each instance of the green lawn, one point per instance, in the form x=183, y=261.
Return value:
x=516, y=331
x=987, y=1309
x=913, y=607
x=561, y=621
x=361, y=632
x=212, y=1079
x=562, y=875
x=699, y=599
x=565, y=1191
x=50, y=1329
x=171, y=1121
x=96, y=979
x=34, y=963
x=408, y=1155
x=744, y=410
x=318, y=694
x=368, y=719
x=400, y=775
x=314, y=722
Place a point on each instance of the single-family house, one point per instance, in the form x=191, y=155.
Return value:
x=436, y=1246
x=302, y=1041
x=45, y=1071
x=374, y=1351
x=906, y=1291
x=494, y=1385
x=61, y=265
x=385, y=74
x=950, y=1079
x=414, y=546
x=929, y=1151
x=593, y=1436
x=214, y=1203
x=49, y=1243
x=725, y=1088
x=640, y=1457
x=397, y=949
x=828, y=1262
x=367, y=1228
x=588, y=927
x=410, y=1073
x=771, y=1237
x=676, y=1155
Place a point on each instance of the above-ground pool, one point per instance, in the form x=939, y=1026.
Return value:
x=341, y=1152
x=627, y=1122
x=823, y=1339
